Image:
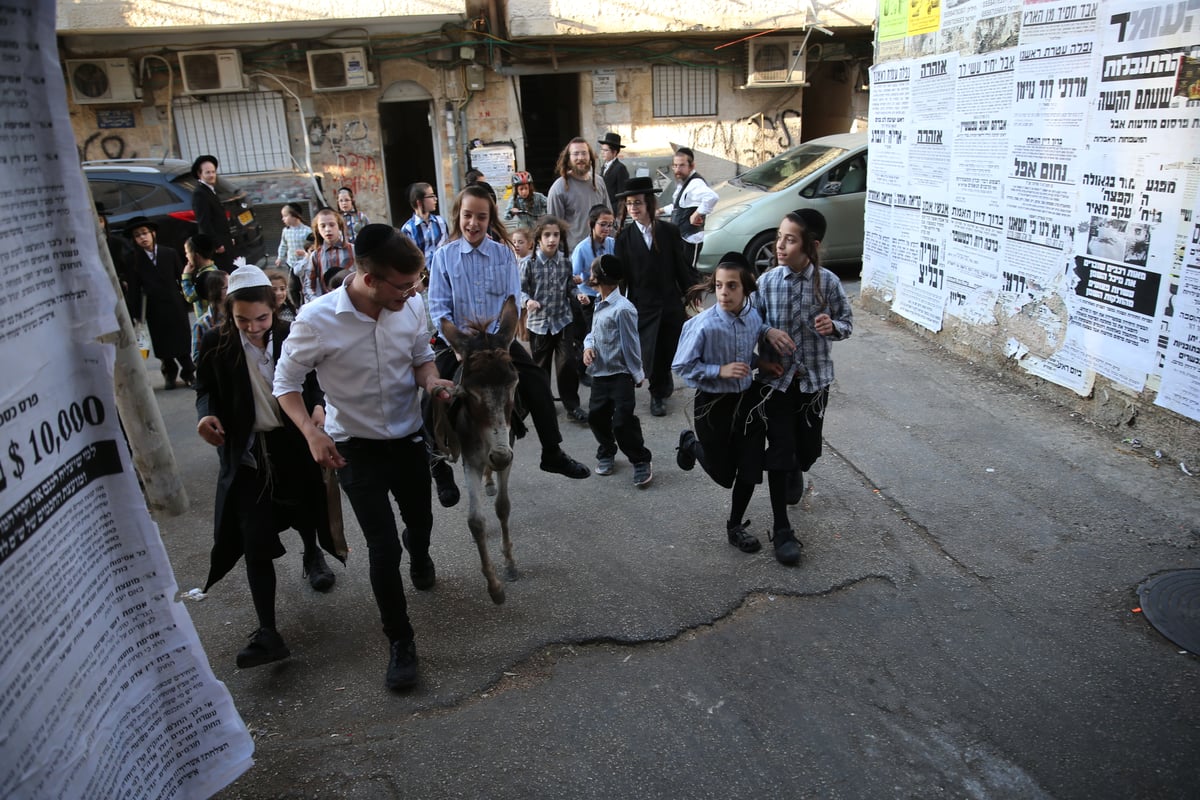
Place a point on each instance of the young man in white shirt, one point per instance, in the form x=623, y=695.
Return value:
x=367, y=342
x=694, y=200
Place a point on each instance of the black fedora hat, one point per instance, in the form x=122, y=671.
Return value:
x=133, y=224
x=639, y=185
x=612, y=140
x=200, y=160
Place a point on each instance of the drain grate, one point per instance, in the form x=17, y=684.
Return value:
x=1171, y=603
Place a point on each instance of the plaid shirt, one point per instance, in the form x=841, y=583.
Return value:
x=355, y=222
x=429, y=236
x=787, y=300
x=551, y=283
x=292, y=240
x=329, y=257
x=712, y=339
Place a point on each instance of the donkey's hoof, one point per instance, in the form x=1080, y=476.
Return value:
x=489, y=487
x=497, y=595
x=511, y=573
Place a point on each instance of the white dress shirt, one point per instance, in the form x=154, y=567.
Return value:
x=365, y=366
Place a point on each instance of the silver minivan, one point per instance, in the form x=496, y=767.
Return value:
x=828, y=174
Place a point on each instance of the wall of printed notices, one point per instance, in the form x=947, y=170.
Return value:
x=1035, y=181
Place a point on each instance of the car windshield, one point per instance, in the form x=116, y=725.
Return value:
x=787, y=168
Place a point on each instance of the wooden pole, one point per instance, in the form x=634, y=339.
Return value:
x=141, y=418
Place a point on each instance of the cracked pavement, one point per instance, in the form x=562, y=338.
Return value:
x=960, y=626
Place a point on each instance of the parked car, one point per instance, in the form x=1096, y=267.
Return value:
x=162, y=191
x=828, y=174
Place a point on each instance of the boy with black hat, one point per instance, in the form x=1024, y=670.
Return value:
x=614, y=172
x=613, y=355
x=153, y=273
x=210, y=212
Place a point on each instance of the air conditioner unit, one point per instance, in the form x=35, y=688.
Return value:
x=339, y=70
x=102, y=80
x=776, y=62
x=211, y=71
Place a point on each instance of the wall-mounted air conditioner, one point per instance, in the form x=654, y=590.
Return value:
x=776, y=62
x=339, y=70
x=212, y=71
x=102, y=80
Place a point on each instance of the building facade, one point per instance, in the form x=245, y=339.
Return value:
x=377, y=94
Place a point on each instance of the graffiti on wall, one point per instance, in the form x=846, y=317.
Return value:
x=750, y=140
x=361, y=172
x=321, y=133
x=102, y=145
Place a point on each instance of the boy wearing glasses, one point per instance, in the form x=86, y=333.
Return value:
x=367, y=342
x=425, y=227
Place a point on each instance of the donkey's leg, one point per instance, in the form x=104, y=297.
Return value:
x=489, y=484
x=478, y=526
x=503, y=506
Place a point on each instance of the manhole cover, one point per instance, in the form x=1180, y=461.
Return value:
x=1171, y=602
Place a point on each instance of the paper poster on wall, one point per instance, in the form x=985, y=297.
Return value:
x=604, y=86
x=1179, y=389
x=105, y=688
x=497, y=163
x=932, y=138
x=982, y=103
x=893, y=19
x=924, y=16
x=920, y=272
x=879, y=270
x=888, y=124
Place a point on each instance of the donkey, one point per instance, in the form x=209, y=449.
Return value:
x=478, y=425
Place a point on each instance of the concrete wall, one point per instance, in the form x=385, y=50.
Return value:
x=81, y=16
x=572, y=18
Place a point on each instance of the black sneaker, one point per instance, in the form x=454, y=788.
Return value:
x=402, y=667
x=420, y=566
x=561, y=463
x=577, y=414
x=320, y=576
x=787, y=547
x=741, y=538
x=685, y=455
x=266, y=645
x=658, y=407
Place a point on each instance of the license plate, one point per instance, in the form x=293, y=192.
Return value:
x=245, y=217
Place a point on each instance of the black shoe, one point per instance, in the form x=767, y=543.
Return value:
x=787, y=547
x=795, y=487
x=266, y=645
x=577, y=414
x=658, y=407
x=741, y=538
x=402, y=667
x=563, y=464
x=420, y=566
x=320, y=576
x=443, y=477
x=685, y=455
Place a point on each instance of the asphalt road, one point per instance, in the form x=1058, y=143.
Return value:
x=961, y=625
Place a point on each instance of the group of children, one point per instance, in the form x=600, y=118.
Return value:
x=782, y=324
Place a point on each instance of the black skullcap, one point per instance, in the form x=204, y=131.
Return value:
x=814, y=222
x=371, y=237
x=734, y=258
x=610, y=270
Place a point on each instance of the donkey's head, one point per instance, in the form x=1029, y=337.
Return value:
x=487, y=388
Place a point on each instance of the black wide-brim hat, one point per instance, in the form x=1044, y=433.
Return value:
x=612, y=140
x=200, y=160
x=642, y=185
x=139, y=222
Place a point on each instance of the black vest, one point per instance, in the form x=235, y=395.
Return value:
x=682, y=217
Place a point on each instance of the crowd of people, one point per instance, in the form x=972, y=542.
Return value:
x=327, y=364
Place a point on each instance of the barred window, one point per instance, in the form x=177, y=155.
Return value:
x=246, y=130
x=684, y=91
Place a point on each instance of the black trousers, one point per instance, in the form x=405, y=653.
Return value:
x=376, y=468
x=795, y=420
x=533, y=387
x=732, y=433
x=558, y=349
x=611, y=418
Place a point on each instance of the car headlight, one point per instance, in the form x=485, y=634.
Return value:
x=719, y=219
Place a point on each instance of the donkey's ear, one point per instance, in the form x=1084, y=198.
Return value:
x=453, y=336
x=508, y=320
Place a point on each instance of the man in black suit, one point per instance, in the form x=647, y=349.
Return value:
x=614, y=172
x=153, y=273
x=210, y=212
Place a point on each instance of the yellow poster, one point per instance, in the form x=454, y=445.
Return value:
x=924, y=16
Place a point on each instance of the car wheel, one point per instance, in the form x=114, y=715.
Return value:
x=761, y=252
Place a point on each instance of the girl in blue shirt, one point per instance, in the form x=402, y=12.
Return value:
x=715, y=356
